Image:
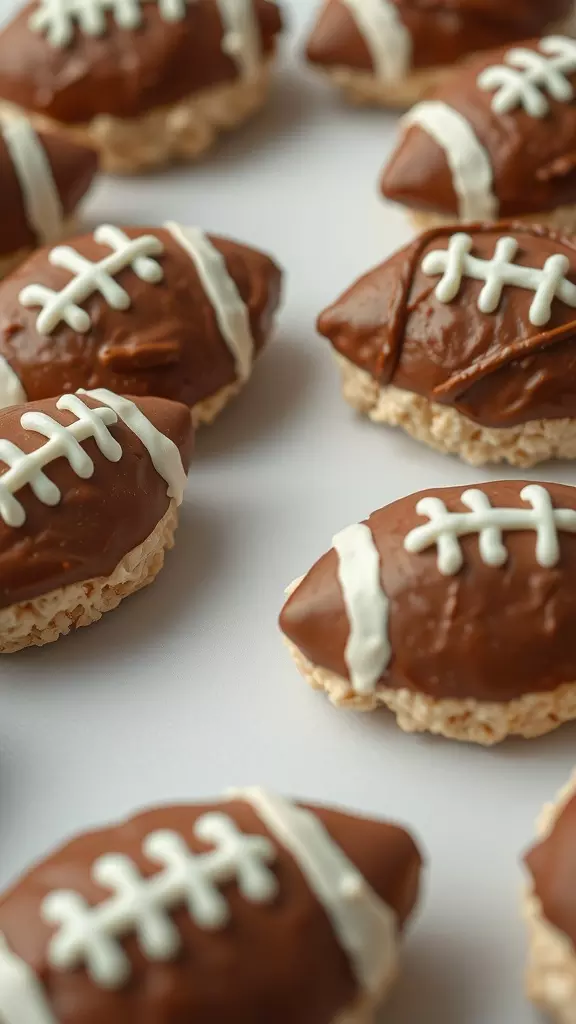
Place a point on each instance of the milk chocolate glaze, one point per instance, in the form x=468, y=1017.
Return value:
x=122, y=73
x=73, y=168
x=552, y=865
x=98, y=520
x=533, y=159
x=442, y=31
x=167, y=343
x=496, y=369
x=490, y=633
x=279, y=961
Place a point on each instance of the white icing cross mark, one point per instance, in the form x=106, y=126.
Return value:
x=56, y=19
x=444, y=528
x=90, y=936
x=93, y=277
x=455, y=263
x=528, y=75
x=62, y=441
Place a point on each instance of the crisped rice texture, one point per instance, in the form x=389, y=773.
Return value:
x=561, y=218
x=45, y=618
x=445, y=429
x=551, y=968
x=183, y=131
x=205, y=412
x=363, y=88
x=468, y=720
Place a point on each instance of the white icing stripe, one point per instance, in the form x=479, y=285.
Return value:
x=455, y=264
x=229, y=308
x=22, y=999
x=368, y=650
x=88, y=278
x=39, y=193
x=11, y=390
x=163, y=452
x=468, y=159
x=444, y=528
x=364, y=925
x=385, y=35
x=241, y=39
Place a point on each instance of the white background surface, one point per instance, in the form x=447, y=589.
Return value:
x=187, y=689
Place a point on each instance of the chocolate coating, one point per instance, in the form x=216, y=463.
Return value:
x=552, y=865
x=167, y=343
x=497, y=369
x=276, y=962
x=533, y=159
x=122, y=73
x=492, y=634
x=442, y=31
x=98, y=520
x=73, y=168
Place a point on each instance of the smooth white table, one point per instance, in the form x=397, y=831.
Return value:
x=187, y=689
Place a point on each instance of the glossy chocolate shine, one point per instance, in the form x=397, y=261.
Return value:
x=496, y=369
x=276, y=962
x=122, y=73
x=167, y=343
x=73, y=168
x=552, y=865
x=533, y=159
x=442, y=31
x=489, y=633
x=98, y=520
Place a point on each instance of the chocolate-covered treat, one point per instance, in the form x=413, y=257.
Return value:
x=169, y=311
x=391, y=52
x=453, y=607
x=550, y=909
x=90, y=486
x=42, y=180
x=248, y=909
x=496, y=140
x=466, y=339
x=144, y=82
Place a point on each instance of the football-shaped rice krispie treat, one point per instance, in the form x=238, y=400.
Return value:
x=466, y=339
x=144, y=82
x=496, y=140
x=42, y=180
x=249, y=909
x=90, y=486
x=169, y=311
x=550, y=909
x=391, y=52
x=453, y=607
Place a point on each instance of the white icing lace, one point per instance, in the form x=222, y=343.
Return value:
x=455, y=263
x=57, y=19
x=63, y=306
x=444, y=528
x=528, y=75
x=89, y=936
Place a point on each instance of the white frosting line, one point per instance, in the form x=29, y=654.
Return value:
x=364, y=925
x=230, y=310
x=88, y=278
x=444, y=528
x=22, y=998
x=163, y=453
x=39, y=192
x=368, y=650
x=527, y=76
x=11, y=390
x=386, y=36
x=241, y=35
x=469, y=161
x=57, y=19
x=455, y=263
